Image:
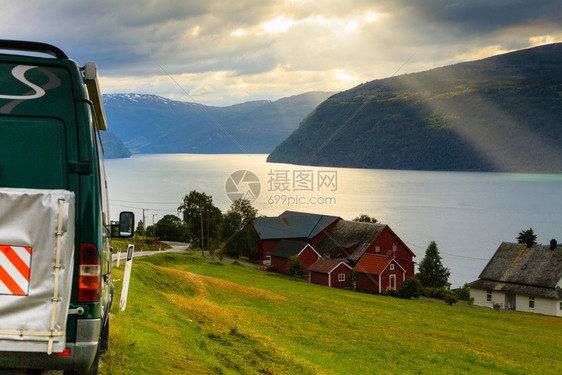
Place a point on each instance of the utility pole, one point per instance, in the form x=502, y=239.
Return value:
x=153, y=225
x=143, y=230
x=202, y=235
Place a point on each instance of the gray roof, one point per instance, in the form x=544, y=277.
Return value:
x=291, y=224
x=345, y=235
x=516, y=268
x=327, y=265
x=287, y=248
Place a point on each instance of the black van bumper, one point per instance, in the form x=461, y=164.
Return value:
x=80, y=358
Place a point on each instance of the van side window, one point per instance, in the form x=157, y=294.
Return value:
x=33, y=153
x=103, y=181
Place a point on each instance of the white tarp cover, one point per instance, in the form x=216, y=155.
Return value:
x=29, y=220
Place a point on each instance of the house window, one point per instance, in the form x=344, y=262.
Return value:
x=489, y=295
x=378, y=249
x=341, y=277
x=392, y=266
x=267, y=254
x=531, y=302
x=560, y=305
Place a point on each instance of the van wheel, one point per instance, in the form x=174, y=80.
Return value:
x=91, y=371
x=104, y=339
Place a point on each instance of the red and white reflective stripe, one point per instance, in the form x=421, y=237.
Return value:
x=14, y=270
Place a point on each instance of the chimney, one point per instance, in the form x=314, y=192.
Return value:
x=553, y=244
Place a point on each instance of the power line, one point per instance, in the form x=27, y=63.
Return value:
x=140, y=208
x=117, y=200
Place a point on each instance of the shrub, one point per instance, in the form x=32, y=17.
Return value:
x=451, y=297
x=464, y=293
x=296, y=267
x=438, y=293
x=411, y=287
x=271, y=268
x=390, y=292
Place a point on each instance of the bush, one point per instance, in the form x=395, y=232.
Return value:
x=271, y=268
x=390, y=292
x=451, y=297
x=464, y=293
x=438, y=293
x=411, y=287
x=295, y=267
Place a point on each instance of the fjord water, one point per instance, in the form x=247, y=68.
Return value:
x=468, y=214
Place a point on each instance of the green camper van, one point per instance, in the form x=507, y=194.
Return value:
x=55, y=229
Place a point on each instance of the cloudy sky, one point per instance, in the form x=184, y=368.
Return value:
x=220, y=52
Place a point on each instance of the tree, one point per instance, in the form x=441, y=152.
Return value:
x=411, y=287
x=140, y=228
x=201, y=216
x=237, y=228
x=432, y=272
x=295, y=267
x=366, y=219
x=171, y=228
x=245, y=209
x=527, y=237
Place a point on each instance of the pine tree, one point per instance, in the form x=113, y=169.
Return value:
x=432, y=272
x=527, y=237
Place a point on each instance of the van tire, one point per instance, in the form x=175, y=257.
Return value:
x=93, y=370
x=104, y=339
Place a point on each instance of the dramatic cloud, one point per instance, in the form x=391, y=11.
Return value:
x=220, y=53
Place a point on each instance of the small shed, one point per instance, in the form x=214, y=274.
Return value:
x=375, y=273
x=330, y=272
x=286, y=248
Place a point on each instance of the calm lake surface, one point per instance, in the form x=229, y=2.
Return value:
x=468, y=214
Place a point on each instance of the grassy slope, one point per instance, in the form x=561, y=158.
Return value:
x=188, y=314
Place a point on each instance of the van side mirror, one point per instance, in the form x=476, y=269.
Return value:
x=126, y=224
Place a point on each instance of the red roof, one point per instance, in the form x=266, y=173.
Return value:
x=325, y=265
x=373, y=264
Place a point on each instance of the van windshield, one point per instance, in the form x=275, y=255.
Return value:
x=32, y=153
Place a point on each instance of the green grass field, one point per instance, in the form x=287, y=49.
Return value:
x=188, y=314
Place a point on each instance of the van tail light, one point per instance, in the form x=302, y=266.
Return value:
x=90, y=274
x=64, y=353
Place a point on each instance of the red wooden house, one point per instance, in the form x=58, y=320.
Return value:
x=286, y=249
x=290, y=225
x=330, y=272
x=351, y=240
x=387, y=259
x=375, y=273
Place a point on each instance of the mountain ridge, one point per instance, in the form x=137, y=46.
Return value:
x=501, y=113
x=152, y=124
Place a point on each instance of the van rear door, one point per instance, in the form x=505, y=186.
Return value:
x=37, y=125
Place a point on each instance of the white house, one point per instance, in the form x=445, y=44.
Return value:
x=522, y=278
